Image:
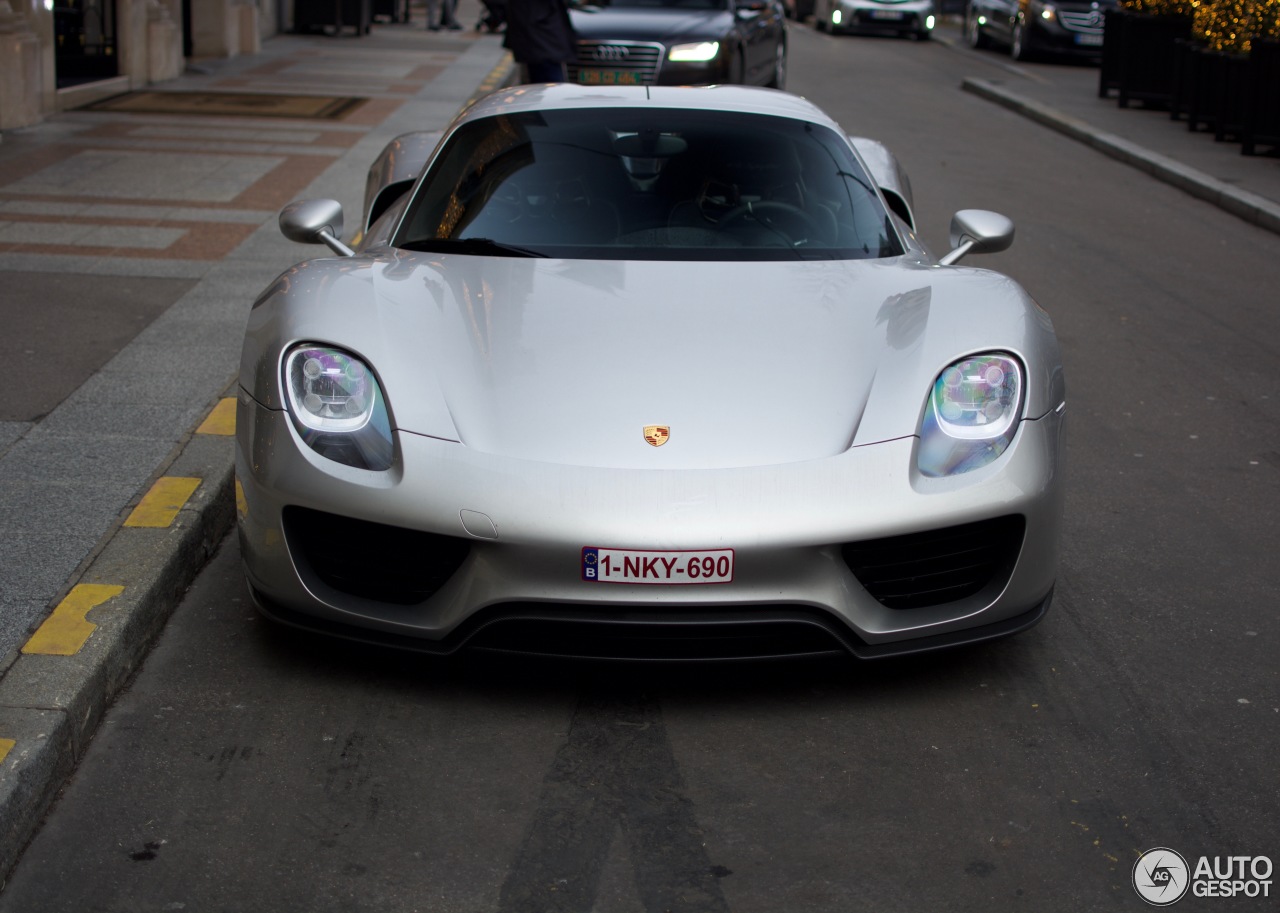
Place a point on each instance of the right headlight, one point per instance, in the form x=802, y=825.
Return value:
x=698, y=52
x=337, y=406
x=972, y=414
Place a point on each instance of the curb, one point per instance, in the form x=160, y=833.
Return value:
x=50, y=705
x=1251, y=207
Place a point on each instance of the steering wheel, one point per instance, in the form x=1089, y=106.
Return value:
x=508, y=202
x=792, y=223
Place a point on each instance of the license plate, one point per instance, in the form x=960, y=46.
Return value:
x=622, y=565
x=593, y=77
x=1090, y=40
x=893, y=15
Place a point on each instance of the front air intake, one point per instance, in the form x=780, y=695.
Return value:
x=939, y=566
x=371, y=560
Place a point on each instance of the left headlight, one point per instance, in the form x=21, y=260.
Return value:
x=972, y=414
x=337, y=406
x=699, y=52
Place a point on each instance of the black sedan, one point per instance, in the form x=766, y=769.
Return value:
x=680, y=42
x=1031, y=27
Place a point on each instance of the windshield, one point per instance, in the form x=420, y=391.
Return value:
x=642, y=183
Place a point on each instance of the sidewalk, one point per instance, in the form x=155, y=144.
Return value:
x=131, y=246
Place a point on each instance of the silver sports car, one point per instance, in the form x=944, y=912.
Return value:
x=648, y=373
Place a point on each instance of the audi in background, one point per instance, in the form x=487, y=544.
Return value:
x=680, y=42
x=1030, y=28
x=907, y=18
x=648, y=372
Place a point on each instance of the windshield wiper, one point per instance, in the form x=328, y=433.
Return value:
x=480, y=247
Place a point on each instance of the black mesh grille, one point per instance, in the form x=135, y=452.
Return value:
x=371, y=560
x=936, y=567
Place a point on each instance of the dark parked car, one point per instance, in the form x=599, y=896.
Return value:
x=680, y=42
x=1031, y=27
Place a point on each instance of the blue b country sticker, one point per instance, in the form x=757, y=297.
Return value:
x=590, y=563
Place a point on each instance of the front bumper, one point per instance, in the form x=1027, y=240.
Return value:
x=521, y=528
x=1056, y=37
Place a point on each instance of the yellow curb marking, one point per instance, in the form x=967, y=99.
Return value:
x=491, y=82
x=6, y=746
x=159, y=506
x=221, y=419
x=497, y=74
x=65, y=631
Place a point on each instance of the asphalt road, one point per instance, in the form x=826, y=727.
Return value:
x=249, y=769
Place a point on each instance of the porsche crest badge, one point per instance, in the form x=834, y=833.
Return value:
x=657, y=435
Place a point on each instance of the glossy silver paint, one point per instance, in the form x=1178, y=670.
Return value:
x=395, y=170
x=315, y=222
x=891, y=179
x=518, y=390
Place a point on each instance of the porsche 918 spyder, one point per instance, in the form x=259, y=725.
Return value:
x=648, y=373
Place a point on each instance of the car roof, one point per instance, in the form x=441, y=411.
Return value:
x=748, y=99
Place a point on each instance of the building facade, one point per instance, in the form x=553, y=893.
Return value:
x=56, y=55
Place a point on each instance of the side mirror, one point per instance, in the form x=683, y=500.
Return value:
x=315, y=222
x=977, y=231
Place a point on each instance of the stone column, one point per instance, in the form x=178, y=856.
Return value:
x=131, y=41
x=164, y=44
x=21, y=71
x=215, y=28
x=250, y=37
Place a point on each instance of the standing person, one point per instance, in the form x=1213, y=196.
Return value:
x=440, y=14
x=495, y=15
x=540, y=37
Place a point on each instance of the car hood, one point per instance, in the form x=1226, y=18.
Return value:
x=661, y=25
x=568, y=361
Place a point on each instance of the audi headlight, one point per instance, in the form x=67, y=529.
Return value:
x=337, y=406
x=972, y=414
x=699, y=52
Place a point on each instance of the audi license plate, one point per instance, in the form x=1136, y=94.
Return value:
x=590, y=76
x=621, y=565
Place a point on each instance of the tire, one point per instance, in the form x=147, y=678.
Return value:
x=1020, y=44
x=820, y=18
x=973, y=32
